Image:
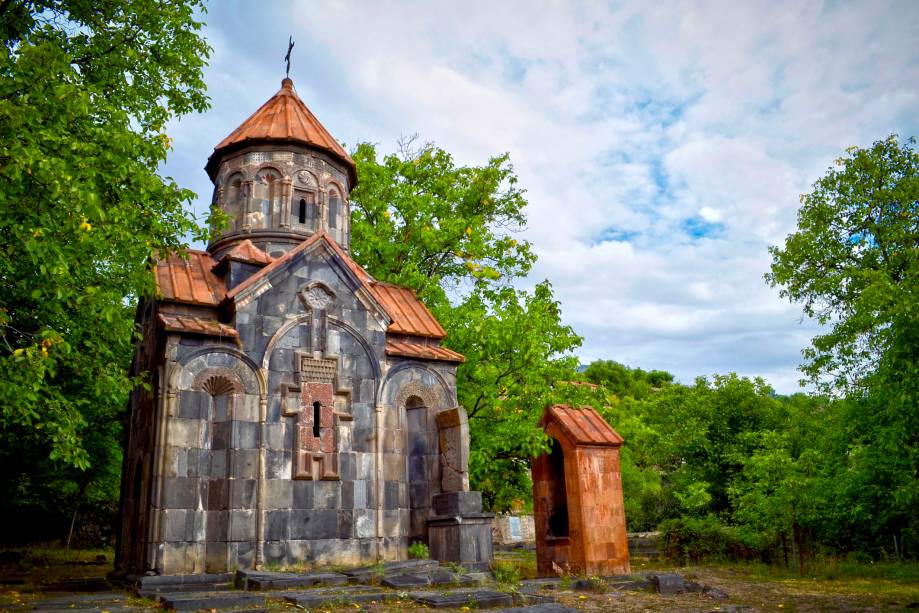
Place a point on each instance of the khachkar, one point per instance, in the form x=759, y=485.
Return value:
x=298, y=410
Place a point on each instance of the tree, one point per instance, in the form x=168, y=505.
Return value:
x=854, y=260
x=446, y=232
x=86, y=91
x=854, y=264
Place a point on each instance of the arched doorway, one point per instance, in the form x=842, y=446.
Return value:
x=421, y=457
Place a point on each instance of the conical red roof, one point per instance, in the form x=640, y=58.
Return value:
x=283, y=119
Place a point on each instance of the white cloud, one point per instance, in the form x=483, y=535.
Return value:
x=630, y=126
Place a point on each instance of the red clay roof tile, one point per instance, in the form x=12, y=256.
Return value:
x=283, y=118
x=408, y=314
x=249, y=253
x=189, y=280
x=196, y=325
x=424, y=351
x=582, y=425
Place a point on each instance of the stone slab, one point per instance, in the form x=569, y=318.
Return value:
x=668, y=583
x=367, y=574
x=263, y=580
x=457, y=503
x=192, y=601
x=551, y=607
x=353, y=594
x=149, y=581
x=84, y=600
x=478, y=598
x=406, y=581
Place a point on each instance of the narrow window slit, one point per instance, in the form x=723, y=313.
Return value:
x=302, y=210
x=316, y=414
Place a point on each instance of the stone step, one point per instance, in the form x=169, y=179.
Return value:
x=552, y=607
x=473, y=598
x=192, y=601
x=265, y=580
x=368, y=574
x=332, y=596
x=153, y=592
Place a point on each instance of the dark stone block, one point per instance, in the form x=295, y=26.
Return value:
x=668, y=583
x=318, y=598
x=347, y=466
x=277, y=463
x=347, y=495
x=277, y=525
x=246, y=435
x=345, y=524
x=242, y=494
x=303, y=494
x=457, y=503
x=180, y=493
x=362, y=438
x=406, y=581
x=549, y=607
x=193, y=405
x=314, y=524
x=366, y=573
x=263, y=580
x=217, y=495
x=220, y=435
x=459, y=598
x=209, y=600
x=391, y=495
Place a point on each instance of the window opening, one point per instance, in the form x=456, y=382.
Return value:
x=317, y=409
x=302, y=210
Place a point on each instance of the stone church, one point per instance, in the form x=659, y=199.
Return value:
x=298, y=410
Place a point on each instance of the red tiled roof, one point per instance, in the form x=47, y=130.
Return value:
x=283, y=118
x=408, y=349
x=582, y=425
x=408, y=314
x=278, y=263
x=249, y=253
x=190, y=281
x=193, y=281
x=196, y=325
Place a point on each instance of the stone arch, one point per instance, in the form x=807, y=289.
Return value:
x=415, y=395
x=374, y=362
x=218, y=361
x=218, y=382
x=394, y=373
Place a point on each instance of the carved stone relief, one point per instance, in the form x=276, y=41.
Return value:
x=453, y=433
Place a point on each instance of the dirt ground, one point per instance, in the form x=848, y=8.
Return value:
x=28, y=575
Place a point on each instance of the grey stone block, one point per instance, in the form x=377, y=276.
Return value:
x=457, y=503
x=313, y=524
x=209, y=600
x=459, y=598
x=277, y=525
x=245, y=435
x=180, y=492
x=668, y=583
x=302, y=494
x=261, y=580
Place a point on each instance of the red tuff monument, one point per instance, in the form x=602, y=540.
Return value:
x=577, y=496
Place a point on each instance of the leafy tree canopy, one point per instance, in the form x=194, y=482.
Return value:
x=446, y=231
x=85, y=94
x=854, y=260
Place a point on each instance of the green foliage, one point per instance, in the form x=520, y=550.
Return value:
x=623, y=381
x=854, y=261
x=444, y=231
x=418, y=551
x=506, y=572
x=85, y=94
x=694, y=539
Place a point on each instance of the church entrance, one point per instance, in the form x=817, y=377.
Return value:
x=422, y=459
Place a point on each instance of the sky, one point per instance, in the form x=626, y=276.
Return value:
x=663, y=146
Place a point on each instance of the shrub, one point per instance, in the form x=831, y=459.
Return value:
x=693, y=539
x=506, y=572
x=418, y=551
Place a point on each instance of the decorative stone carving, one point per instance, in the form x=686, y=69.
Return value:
x=453, y=433
x=305, y=178
x=427, y=396
x=313, y=403
x=317, y=297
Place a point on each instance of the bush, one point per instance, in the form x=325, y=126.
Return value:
x=693, y=539
x=418, y=551
x=506, y=572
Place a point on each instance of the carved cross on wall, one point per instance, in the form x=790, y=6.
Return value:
x=317, y=400
x=312, y=401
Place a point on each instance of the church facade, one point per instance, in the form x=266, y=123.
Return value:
x=297, y=410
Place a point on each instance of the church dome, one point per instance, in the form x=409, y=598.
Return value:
x=280, y=177
x=284, y=118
